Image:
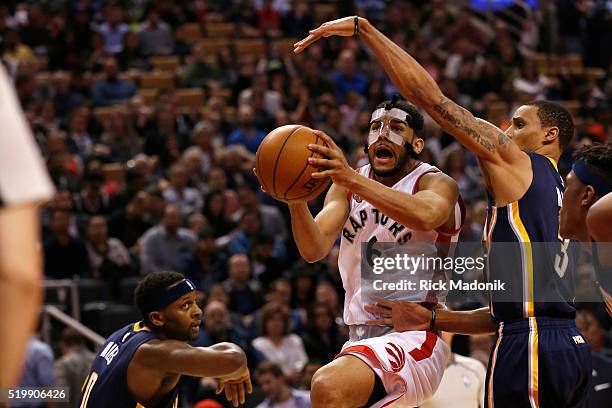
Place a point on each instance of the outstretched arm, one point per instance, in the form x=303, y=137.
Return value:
x=224, y=361
x=484, y=139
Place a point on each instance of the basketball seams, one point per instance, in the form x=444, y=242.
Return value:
x=278, y=155
x=301, y=172
x=320, y=188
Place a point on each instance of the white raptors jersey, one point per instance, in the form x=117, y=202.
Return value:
x=368, y=224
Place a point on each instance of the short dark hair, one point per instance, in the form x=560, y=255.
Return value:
x=151, y=288
x=267, y=312
x=71, y=337
x=415, y=119
x=268, y=367
x=598, y=159
x=554, y=114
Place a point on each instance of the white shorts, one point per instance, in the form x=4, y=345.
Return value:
x=410, y=364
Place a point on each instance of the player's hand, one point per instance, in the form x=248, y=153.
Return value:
x=334, y=163
x=403, y=316
x=234, y=387
x=344, y=27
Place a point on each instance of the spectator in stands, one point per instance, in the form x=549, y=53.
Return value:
x=246, y=133
x=79, y=140
x=215, y=210
x=272, y=220
x=322, y=339
x=197, y=163
x=187, y=199
x=132, y=57
x=207, y=265
x=198, y=72
x=92, y=199
x=128, y=223
x=38, y=368
x=316, y=83
x=113, y=29
x=327, y=294
x=260, y=85
x=218, y=328
x=121, y=138
x=348, y=77
x=65, y=257
x=276, y=342
x=72, y=367
x=248, y=231
x=244, y=292
x=270, y=378
x=266, y=266
x=155, y=35
x=111, y=90
x=108, y=257
x=65, y=99
x=298, y=20
x=454, y=163
x=167, y=246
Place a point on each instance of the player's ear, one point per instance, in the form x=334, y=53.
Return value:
x=588, y=196
x=157, y=319
x=551, y=135
x=418, y=145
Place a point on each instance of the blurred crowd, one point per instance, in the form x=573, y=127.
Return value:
x=149, y=113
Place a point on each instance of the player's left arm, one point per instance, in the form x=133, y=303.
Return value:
x=426, y=210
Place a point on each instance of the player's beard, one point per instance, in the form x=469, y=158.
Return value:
x=401, y=161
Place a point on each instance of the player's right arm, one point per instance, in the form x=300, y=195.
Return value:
x=223, y=360
x=315, y=237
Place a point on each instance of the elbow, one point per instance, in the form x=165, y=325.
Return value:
x=25, y=280
x=312, y=255
x=237, y=358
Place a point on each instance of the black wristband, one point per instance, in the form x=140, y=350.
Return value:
x=432, y=323
x=356, y=20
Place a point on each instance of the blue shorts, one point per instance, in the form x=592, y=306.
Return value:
x=538, y=362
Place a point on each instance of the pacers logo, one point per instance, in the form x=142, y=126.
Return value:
x=397, y=357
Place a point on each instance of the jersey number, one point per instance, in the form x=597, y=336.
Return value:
x=426, y=349
x=562, y=259
x=88, y=387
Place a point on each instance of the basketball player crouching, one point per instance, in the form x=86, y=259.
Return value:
x=395, y=198
x=140, y=365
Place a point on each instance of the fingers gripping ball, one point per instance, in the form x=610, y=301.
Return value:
x=282, y=164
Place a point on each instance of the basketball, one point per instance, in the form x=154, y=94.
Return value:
x=282, y=164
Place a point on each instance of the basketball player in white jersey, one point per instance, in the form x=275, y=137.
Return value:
x=395, y=198
x=24, y=185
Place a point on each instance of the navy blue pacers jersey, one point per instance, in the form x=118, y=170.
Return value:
x=107, y=382
x=533, y=261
